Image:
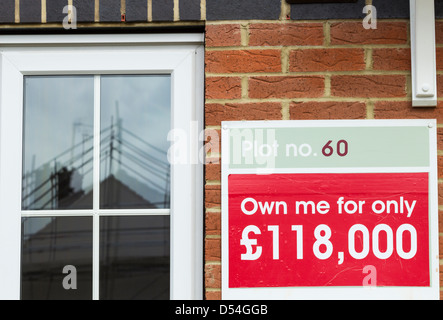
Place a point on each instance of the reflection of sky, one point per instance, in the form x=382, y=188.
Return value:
x=52, y=106
x=144, y=106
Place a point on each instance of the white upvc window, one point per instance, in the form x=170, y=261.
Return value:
x=94, y=203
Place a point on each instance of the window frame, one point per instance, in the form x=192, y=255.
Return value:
x=181, y=56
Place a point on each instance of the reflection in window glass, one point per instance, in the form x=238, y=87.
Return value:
x=134, y=258
x=48, y=245
x=58, y=141
x=135, y=121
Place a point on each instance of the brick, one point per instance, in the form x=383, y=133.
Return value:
x=314, y=110
x=441, y=276
x=215, y=113
x=213, y=295
x=189, y=10
x=30, y=11
x=316, y=11
x=213, y=223
x=85, y=10
x=213, y=249
x=243, y=9
x=439, y=58
x=223, y=87
x=440, y=167
x=306, y=60
x=7, y=11
x=54, y=10
x=439, y=138
x=439, y=85
x=243, y=61
x=110, y=11
x=223, y=35
x=369, y=86
x=286, y=34
x=136, y=10
x=213, y=171
x=212, y=196
x=404, y=110
x=162, y=10
x=439, y=32
x=441, y=247
x=286, y=87
x=213, y=276
x=395, y=59
x=354, y=33
x=440, y=222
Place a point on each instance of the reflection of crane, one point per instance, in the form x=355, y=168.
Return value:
x=57, y=183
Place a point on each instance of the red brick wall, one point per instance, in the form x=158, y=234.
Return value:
x=305, y=70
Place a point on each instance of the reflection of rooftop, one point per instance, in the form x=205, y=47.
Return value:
x=69, y=239
x=113, y=194
x=134, y=256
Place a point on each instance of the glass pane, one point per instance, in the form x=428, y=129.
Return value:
x=134, y=257
x=48, y=246
x=135, y=121
x=57, y=147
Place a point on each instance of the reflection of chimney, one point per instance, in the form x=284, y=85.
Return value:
x=64, y=183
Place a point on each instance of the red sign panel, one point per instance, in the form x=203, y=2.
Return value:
x=354, y=229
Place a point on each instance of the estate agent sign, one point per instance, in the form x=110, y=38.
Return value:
x=329, y=209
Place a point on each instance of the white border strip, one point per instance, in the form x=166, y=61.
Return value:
x=90, y=213
x=96, y=193
x=100, y=39
x=353, y=293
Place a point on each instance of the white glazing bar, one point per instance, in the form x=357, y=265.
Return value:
x=96, y=193
x=134, y=212
x=102, y=212
x=57, y=213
